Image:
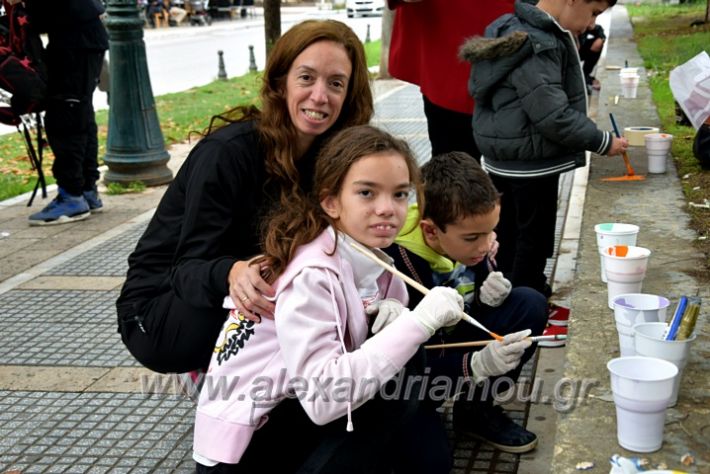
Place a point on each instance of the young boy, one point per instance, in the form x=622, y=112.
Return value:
x=450, y=247
x=530, y=123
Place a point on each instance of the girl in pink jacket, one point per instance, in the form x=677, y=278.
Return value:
x=318, y=348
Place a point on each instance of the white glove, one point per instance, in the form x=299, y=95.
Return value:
x=499, y=357
x=387, y=310
x=495, y=289
x=440, y=307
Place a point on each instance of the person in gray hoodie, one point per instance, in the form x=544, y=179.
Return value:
x=530, y=123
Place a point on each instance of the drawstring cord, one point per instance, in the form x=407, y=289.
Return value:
x=349, y=427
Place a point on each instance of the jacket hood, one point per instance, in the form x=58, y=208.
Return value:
x=507, y=42
x=480, y=48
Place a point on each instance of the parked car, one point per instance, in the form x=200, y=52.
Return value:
x=364, y=7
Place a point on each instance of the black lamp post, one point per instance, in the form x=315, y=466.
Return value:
x=135, y=148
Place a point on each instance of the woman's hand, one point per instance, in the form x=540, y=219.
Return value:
x=248, y=290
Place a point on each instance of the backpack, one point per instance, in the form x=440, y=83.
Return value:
x=24, y=75
x=22, y=71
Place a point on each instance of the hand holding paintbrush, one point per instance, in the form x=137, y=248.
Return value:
x=416, y=285
x=619, y=146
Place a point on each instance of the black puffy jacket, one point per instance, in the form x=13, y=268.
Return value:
x=530, y=117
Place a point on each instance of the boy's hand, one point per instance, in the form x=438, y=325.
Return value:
x=618, y=146
x=499, y=357
x=387, y=310
x=495, y=289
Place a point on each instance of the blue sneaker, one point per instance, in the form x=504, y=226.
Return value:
x=95, y=203
x=63, y=208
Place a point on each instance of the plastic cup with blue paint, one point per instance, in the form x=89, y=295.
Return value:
x=649, y=342
x=609, y=234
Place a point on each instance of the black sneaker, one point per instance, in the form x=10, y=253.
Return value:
x=490, y=424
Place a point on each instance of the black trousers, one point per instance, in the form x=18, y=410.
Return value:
x=391, y=434
x=526, y=230
x=588, y=57
x=167, y=335
x=449, y=130
x=69, y=119
x=524, y=308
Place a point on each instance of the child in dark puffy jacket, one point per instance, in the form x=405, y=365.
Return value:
x=530, y=123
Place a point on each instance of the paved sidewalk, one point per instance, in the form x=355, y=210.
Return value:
x=71, y=397
x=587, y=432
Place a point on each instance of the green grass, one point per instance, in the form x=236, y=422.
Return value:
x=666, y=39
x=372, y=50
x=132, y=187
x=179, y=114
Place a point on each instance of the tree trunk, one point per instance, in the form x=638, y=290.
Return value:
x=707, y=13
x=387, y=21
x=272, y=23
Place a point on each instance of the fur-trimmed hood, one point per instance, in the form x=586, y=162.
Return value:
x=530, y=116
x=479, y=48
x=507, y=42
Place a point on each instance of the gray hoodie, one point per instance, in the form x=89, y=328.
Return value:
x=530, y=118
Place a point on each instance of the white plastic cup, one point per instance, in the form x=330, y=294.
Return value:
x=656, y=162
x=628, y=70
x=629, y=85
x=657, y=147
x=615, y=233
x=649, y=342
x=624, y=272
x=634, y=308
x=641, y=387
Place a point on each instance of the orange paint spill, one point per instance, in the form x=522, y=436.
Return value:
x=618, y=250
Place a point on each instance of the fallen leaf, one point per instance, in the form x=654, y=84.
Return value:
x=687, y=459
x=584, y=466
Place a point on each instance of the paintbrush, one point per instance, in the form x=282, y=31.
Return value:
x=452, y=345
x=418, y=286
x=630, y=174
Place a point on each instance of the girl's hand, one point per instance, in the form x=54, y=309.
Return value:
x=247, y=289
x=387, y=310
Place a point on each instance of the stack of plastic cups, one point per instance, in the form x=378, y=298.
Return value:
x=625, y=268
x=657, y=147
x=634, y=308
x=629, y=78
x=609, y=234
x=642, y=387
x=649, y=341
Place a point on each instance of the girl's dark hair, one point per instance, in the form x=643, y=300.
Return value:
x=303, y=219
x=276, y=130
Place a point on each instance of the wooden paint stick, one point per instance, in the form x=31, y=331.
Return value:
x=416, y=285
x=453, y=345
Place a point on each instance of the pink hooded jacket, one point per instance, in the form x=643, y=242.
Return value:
x=316, y=349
